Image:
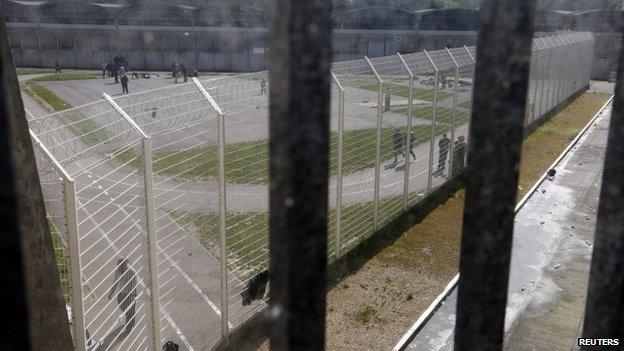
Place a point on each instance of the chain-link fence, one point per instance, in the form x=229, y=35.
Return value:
x=159, y=200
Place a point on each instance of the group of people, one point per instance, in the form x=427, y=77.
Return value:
x=177, y=70
x=399, y=141
x=117, y=69
x=459, y=155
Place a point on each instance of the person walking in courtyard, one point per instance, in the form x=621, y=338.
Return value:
x=444, y=145
x=397, y=144
x=103, y=70
x=184, y=71
x=124, y=82
x=174, y=72
x=125, y=285
x=412, y=143
x=388, y=98
x=263, y=86
x=57, y=68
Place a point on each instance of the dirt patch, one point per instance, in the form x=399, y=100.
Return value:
x=402, y=280
x=372, y=308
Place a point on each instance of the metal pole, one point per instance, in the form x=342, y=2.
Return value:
x=300, y=80
x=455, y=96
x=377, y=146
x=72, y=233
x=225, y=315
x=604, y=312
x=471, y=94
x=339, y=161
x=433, y=123
x=500, y=92
x=152, y=239
x=408, y=138
x=71, y=209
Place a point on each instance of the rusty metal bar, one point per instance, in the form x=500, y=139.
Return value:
x=500, y=91
x=299, y=72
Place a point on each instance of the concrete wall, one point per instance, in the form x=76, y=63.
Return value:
x=86, y=46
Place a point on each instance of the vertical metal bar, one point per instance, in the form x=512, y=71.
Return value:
x=604, y=312
x=71, y=211
x=377, y=145
x=225, y=315
x=299, y=70
x=408, y=137
x=339, y=161
x=471, y=95
x=455, y=96
x=535, y=55
x=434, y=113
x=543, y=71
x=500, y=91
x=152, y=240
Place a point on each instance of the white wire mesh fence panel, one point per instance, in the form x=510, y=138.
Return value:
x=183, y=126
x=111, y=216
x=394, y=144
x=423, y=95
x=54, y=198
x=103, y=153
x=244, y=102
x=362, y=97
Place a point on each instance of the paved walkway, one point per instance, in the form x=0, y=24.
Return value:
x=552, y=247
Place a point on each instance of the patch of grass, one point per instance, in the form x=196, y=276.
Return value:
x=61, y=256
x=38, y=91
x=403, y=90
x=247, y=162
x=68, y=76
x=365, y=314
x=27, y=71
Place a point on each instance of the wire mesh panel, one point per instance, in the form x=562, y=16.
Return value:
x=244, y=102
x=111, y=217
x=423, y=96
x=335, y=119
x=362, y=91
x=183, y=126
x=54, y=198
x=396, y=110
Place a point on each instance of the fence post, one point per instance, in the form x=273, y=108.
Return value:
x=151, y=220
x=433, y=123
x=455, y=96
x=408, y=137
x=225, y=316
x=339, y=176
x=73, y=243
x=471, y=95
x=377, y=146
x=69, y=188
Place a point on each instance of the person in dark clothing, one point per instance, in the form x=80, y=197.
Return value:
x=256, y=287
x=459, y=156
x=104, y=70
x=444, y=147
x=184, y=71
x=124, y=83
x=125, y=284
x=57, y=68
x=397, y=144
x=263, y=86
x=174, y=72
x=388, y=98
x=412, y=143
